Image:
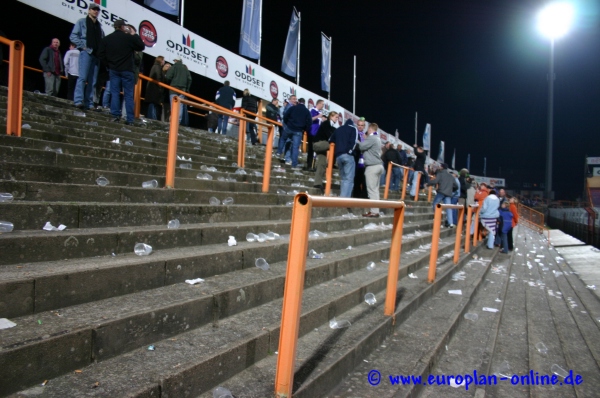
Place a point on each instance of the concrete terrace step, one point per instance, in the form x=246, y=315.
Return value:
x=48, y=284
x=237, y=321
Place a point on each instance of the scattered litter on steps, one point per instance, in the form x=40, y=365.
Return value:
x=412, y=276
x=335, y=324
x=50, y=227
x=488, y=309
x=457, y=292
x=541, y=347
x=6, y=324
x=231, y=241
x=471, y=316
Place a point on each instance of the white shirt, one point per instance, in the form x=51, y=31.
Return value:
x=72, y=62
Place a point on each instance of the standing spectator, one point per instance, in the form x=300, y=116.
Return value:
x=515, y=220
x=71, y=62
x=506, y=220
x=393, y=155
x=359, y=189
x=455, y=197
x=52, y=65
x=489, y=217
x=371, y=150
x=87, y=34
x=272, y=112
x=179, y=77
x=345, y=139
x=286, y=155
x=117, y=49
x=250, y=104
x=297, y=120
x=317, y=118
x=154, y=92
x=226, y=98
x=419, y=167
x=446, y=185
x=321, y=146
x=502, y=196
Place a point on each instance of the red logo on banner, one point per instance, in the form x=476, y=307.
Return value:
x=274, y=89
x=222, y=67
x=148, y=33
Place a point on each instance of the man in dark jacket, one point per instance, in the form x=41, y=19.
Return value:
x=392, y=155
x=52, y=65
x=345, y=139
x=446, y=185
x=419, y=166
x=226, y=98
x=117, y=50
x=178, y=76
x=296, y=120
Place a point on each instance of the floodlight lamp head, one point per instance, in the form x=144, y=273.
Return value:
x=555, y=19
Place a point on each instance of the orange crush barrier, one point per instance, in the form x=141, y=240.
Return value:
x=35, y=69
x=389, y=177
x=242, y=133
x=531, y=218
x=435, y=236
x=14, y=108
x=468, y=228
x=174, y=128
x=294, y=280
x=137, y=96
x=329, y=172
x=417, y=185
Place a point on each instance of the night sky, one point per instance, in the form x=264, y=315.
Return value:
x=475, y=70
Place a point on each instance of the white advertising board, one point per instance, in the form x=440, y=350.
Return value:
x=596, y=171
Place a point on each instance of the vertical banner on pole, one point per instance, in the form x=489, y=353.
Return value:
x=454, y=160
x=170, y=7
x=440, y=157
x=288, y=64
x=325, y=62
x=427, y=138
x=250, y=31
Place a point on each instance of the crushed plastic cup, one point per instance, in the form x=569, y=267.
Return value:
x=228, y=201
x=147, y=139
x=222, y=392
x=6, y=197
x=272, y=235
x=471, y=316
x=26, y=126
x=231, y=241
x=504, y=369
x=541, y=347
x=185, y=166
x=80, y=114
x=262, y=237
x=173, y=224
x=150, y=184
x=370, y=266
x=258, y=174
x=214, y=201
x=234, y=164
x=6, y=226
x=142, y=249
x=128, y=143
x=202, y=176
x=313, y=254
x=262, y=263
x=102, y=181
x=335, y=324
x=281, y=192
x=370, y=299
x=557, y=370
x=241, y=172
x=251, y=237
x=91, y=123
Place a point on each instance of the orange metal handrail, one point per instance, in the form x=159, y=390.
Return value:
x=530, y=217
x=35, y=69
x=14, y=107
x=296, y=267
x=435, y=236
x=329, y=171
x=388, y=178
x=468, y=227
x=173, y=131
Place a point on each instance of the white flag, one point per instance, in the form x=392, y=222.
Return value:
x=441, y=154
x=454, y=160
x=325, y=62
x=290, y=53
x=427, y=137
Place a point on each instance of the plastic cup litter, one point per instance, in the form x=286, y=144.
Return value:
x=6, y=226
x=471, y=317
x=370, y=299
x=262, y=263
x=185, y=166
x=281, y=192
x=222, y=392
x=251, y=237
x=214, y=201
x=150, y=184
x=541, y=347
x=102, y=181
x=228, y=201
x=370, y=266
x=313, y=254
x=6, y=197
x=557, y=370
x=335, y=324
x=262, y=237
x=142, y=249
x=173, y=224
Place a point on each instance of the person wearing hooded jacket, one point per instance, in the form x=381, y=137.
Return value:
x=324, y=132
x=446, y=185
x=345, y=139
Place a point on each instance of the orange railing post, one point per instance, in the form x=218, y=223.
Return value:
x=468, y=227
x=294, y=280
x=476, y=229
x=404, y=181
x=241, y=141
x=137, y=99
x=417, y=185
x=435, y=237
x=387, y=180
x=172, y=145
x=14, y=108
x=459, y=227
x=304, y=142
x=329, y=171
x=268, y=158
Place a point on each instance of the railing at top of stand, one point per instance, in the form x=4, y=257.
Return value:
x=173, y=132
x=296, y=267
x=242, y=133
x=531, y=218
x=14, y=107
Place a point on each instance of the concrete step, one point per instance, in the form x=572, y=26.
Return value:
x=236, y=322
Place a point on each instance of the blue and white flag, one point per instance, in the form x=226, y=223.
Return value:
x=427, y=137
x=290, y=53
x=325, y=62
x=441, y=154
x=170, y=7
x=250, y=32
x=454, y=160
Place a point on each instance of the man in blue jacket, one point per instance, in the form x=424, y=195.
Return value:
x=345, y=139
x=296, y=121
x=226, y=98
x=87, y=34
